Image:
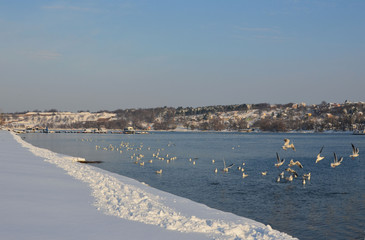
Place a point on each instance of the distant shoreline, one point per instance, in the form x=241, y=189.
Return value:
x=118, y=131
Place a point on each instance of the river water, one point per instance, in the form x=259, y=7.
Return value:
x=329, y=206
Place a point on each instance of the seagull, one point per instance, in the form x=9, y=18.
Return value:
x=280, y=162
x=336, y=162
x=287, y=145
x=225, y=169
x=264, y=173
x=216, y=170
x=292, y=163
x=244, y=175
x=293, y=172
x=290, y=178
x=319, y=157
x=355, y=151
x=278, y=179
x=307, y=176
x=159, y=171
x=304, y=180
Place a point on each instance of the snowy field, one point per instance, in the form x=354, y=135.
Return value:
x=45, y=195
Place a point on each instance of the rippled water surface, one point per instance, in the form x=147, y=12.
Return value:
x=329, y=206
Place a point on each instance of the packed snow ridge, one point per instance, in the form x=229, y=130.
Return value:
x=131, y=200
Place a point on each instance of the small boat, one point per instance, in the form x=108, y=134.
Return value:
x=129, y=130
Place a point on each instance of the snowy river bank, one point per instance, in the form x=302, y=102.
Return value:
x=40, y=200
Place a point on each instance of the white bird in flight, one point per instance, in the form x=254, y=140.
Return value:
x=307, y=176
x=336, y=161
x=287, y=144
x=293, y=172
x=225, y=168
x=280, y=161
x=297, y=163
x=319, y=157
x=355, y=151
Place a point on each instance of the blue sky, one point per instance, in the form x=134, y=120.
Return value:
x=94, y=55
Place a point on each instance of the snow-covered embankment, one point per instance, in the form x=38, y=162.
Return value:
x=138, y=208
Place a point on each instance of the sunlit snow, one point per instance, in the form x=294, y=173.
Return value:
x=38, y=201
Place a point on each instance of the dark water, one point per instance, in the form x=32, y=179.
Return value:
x=330, y=206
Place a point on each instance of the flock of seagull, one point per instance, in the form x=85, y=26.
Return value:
x=157, y=154
x=137, y=157
x=293, y=174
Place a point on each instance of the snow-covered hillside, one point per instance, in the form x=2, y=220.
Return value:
x=55, y=119
x=299, y=117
